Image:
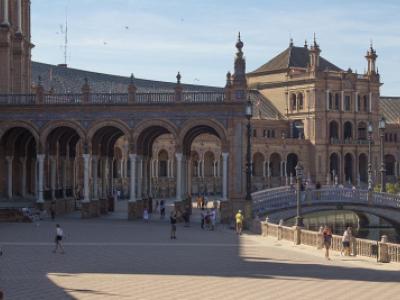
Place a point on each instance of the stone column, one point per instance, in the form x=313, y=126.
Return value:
x=9, y=176
x=225, y=176
x=94, y=177
x=140, y=178
x=53, y=170
x=65, y=162
x=178, y=176
x=86, y=168
x=5, y=13
x=24, y=175
x=132, y=195
x=40, y=160
x=19, y=16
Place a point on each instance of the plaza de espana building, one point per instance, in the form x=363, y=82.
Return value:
x=305, y=109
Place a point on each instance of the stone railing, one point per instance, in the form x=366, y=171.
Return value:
x=285, y=197
x=381, y=250
x=112, y=98
x=21, y=99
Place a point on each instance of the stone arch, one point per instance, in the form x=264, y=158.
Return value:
x=44, y=133
x=33, y=129
x=258, y=164
x=193, y=128
x=121, y=125
x=347, y=130
x=334, y=165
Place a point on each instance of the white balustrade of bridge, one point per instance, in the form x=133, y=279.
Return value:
x=281, y=198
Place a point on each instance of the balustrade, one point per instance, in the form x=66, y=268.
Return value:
x=17, y=99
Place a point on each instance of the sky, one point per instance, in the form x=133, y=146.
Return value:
x=154, y=39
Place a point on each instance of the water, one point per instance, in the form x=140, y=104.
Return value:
x=363, y=225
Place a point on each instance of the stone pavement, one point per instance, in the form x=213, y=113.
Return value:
x=115, y=259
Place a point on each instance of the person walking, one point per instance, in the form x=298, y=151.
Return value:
x=173, y=218
x=239, y=222
x=346, y=239
x=203, y=217
x=213, y=217
x=327, y=241
x=58, y=239
x=162, y=209
x=146, y=215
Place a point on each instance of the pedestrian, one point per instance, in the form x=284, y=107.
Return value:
x=239, y=222
x=173, y=224
x=162, y=209
x=146, y=215
x=346, y=238
x=213, y=218
x=203, y=217
x=58, y=239
x=327, y=241
x=203, y=203
x=320, y=240
x=157, y=206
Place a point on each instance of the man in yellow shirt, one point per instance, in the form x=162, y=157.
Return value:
x=239, y=222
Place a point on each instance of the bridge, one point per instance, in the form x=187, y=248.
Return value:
x=280, y=203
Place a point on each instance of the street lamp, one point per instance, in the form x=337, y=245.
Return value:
x=382, y=126
x=369, y=157
x=299, y=178
x=249, y=114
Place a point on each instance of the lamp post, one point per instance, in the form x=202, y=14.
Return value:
x=369, y=157
x=249, y=114
x=299, y=178
x=382, y=126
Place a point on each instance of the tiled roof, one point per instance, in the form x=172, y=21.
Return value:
x=390, y=108
x=70, y=80
x=263, y=107
x=293, y=57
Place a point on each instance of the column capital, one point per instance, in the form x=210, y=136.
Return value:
x=225, y=155
x=9, y=158
x=133, y=156
x=179, y=156
x=86, y=156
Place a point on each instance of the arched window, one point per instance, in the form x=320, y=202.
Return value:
x=334, y=165
x=390, y=163
x=330, y=100
x=293, y=102
x=348, y=131
x=362, y=131
x=348, y=168
x=275, y=165
x=300, y=101
x=359, y=108
x=333, y=130
x=292, y=160
x=347, y=103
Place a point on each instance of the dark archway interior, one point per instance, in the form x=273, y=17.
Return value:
x=193, y=133
x=147, y=137
x=104, y=140
x=292, y=160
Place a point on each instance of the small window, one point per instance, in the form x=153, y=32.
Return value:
x=347, y=103
x=359, y=103
x=264, y=133
x=273, y=133
x=366, y=103
x=337, y=101
x=330, y=100
x=254, y=132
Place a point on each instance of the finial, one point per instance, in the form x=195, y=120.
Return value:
x=178, y=78
x=291, y=42
x=131, y=78
x=305, y=43
x=39, y=80
x=239, y=44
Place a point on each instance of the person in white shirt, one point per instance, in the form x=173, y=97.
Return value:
x=58, y=239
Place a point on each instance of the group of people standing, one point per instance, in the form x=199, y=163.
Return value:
x=327, y=241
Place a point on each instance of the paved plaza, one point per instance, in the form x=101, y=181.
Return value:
x=110, y=258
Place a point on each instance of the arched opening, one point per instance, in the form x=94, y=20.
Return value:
x=348, y=168
x=333, y=130
x=334, y=166
x=61, y=175
x=390, y=165
x=292, y=160
x=362, y=131
x=363, y=168
x=153, y=145
x=203, y=139
x=348, y=131
x=18, y=165
x=337, y=101
x=258, y=162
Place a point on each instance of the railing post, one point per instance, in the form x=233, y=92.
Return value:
x=383, y=250
x=131, y=91
x=297, y=235
x=228, y=87
x=178, y=88
x=85, y=92
x=39, y=92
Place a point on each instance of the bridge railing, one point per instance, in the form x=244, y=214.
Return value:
x=17, y=99
x=274, y=198
x=108, y=98
x=203, y=97
x=383, y=251
x=63, y=99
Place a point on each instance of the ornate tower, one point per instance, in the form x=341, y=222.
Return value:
x=314, y=55
x=15, y=46
x=239, y=82
x=371, y=58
